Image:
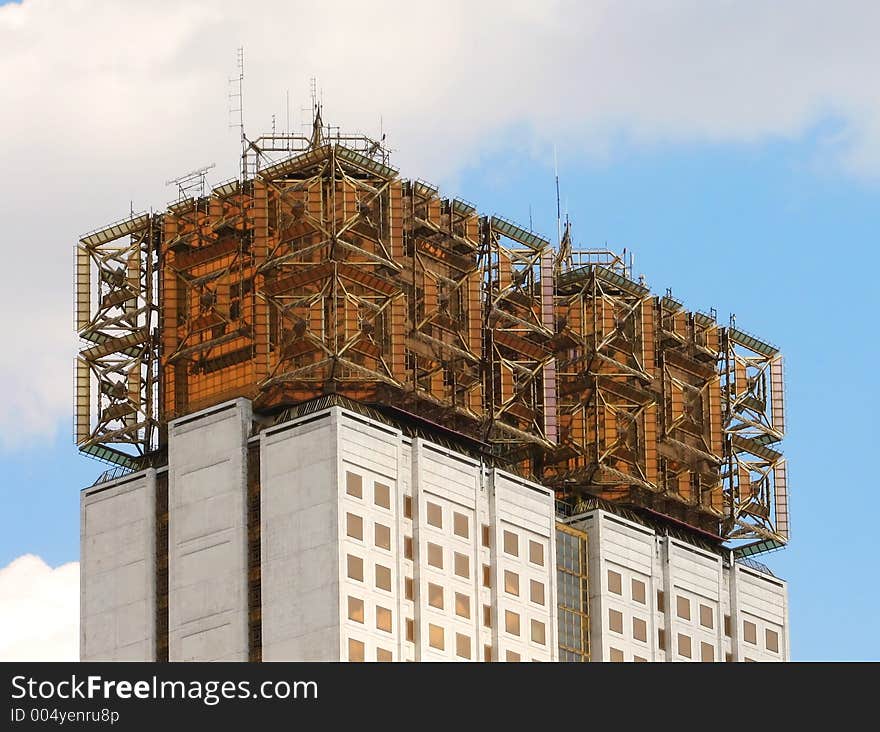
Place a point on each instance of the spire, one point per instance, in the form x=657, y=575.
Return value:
x=317, y=128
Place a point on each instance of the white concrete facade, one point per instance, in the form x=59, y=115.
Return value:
x=117, y=569
x=654, y=597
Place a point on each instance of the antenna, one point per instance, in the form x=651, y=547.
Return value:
x=236, y=85
x=288, y=111
x=190, y=181
x=558, y=213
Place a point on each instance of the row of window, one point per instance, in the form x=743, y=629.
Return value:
x=357, y=648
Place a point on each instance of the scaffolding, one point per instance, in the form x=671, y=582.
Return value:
x=319, y=271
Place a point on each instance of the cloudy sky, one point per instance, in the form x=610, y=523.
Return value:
x=734, y=146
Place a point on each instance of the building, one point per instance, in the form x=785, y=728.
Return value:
x=440, y=386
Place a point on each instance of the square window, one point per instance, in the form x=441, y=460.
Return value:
x=640, y=630
x=410, y=630
x=407, y=507
x=728, y=658
x=536, y=592
x=462, y=605
x=435, y=555
x=382, y=536
x=383, y=655
x=684, y=645
x=487, y=537
x=487, y=616
x=707, y=652
x=487, y=576
x=750, y=632
x=638, y=591
x=354, y=526
x=462, y=566
x=383, y=619
x=661, y=639
x=435, y=515
x=683, y=607
x=615, y=621
x=707, y=617
x=511, y=622
x=381, y=495
x=383, y=578
x=355, y=650
x=511, y=544
x=407, y=547
x=614, y=583
x=460, y=525
x=355, y=568
x=727, y=625
x=512, y=657
x=771, y=638
x=536, y=553
x=487, y=654
x=356, y=609
x=462, y=646
x=615, y=655
x=408, y=588
x=511, y=582
x=435, y=637
x=354, y=484
x=435, y=595
x=539, y=632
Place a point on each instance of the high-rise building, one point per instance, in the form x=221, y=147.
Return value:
x=350, y=419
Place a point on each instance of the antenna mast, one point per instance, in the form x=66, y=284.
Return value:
x=558, y=212
x=236, y=95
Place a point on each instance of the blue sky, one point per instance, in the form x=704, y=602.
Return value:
x=772, y=219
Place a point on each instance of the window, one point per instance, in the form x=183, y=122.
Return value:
x=511, y=544
x=383, y=655
x=487, y=540
x=614, y=583
x=487, y=576
x=638, y=591
x=615, y=655
x=539, y=632
x=661, y=601
x=462, y=605
x=487, y=654
x=355, y=568
x=727, y=625
x=435, y=555
x=383, y=619
x=407, y=507
x=460, y=525
x=356, y=609
x=683, y=607
x=640, y=630
x=383, y=536
x=615, y=621
x=639, y=659
x=684, y=645
x=461, y=564
x=354, y=526
x=435, y=595
x=462, y=646
x=487, y=616
x=536, y=553
x=410, y=630
x=536, y=592
x=728, y=658
x=435, y=515
x=381, y=495
x=661, y=639
x=707, y=652
x=771, y=638
x=354, y=484
x=383, y=578
x=511, y=582
x=707, y=617
x=512, y=657
x=750, y=632
x=407, y=547
x=435, y=637
x=408, y=588
x=355, y=650
x=511, y=622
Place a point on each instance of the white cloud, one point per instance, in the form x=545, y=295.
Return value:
x=101, y=101
x=39, y=611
